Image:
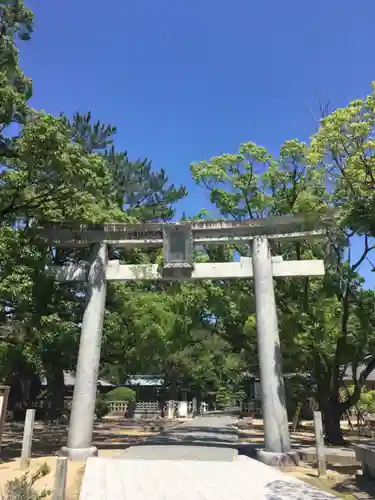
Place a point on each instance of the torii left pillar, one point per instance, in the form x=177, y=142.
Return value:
x=84, y=397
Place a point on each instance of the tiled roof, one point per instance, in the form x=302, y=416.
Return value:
x=70, y=379
x=348, y=373
x=145, y=381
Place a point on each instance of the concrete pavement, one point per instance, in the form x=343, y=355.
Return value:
x=197, y=460
x=210, y=438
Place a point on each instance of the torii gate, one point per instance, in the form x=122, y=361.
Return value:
x=178, y=240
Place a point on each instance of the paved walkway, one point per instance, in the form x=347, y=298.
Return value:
x=197, y=460
x=211, y=438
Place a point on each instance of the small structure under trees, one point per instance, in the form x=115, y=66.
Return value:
x=146, y=387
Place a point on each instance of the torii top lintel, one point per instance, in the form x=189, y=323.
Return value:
x=290, y=227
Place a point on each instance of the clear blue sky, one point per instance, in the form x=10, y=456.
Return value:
x=186, y=80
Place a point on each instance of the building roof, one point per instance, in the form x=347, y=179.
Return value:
x=70, y=379
x=145, y=381
x=256, y=377
x=349, y=374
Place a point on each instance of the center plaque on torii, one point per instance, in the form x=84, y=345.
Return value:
x=178, y=241
x=178, y=251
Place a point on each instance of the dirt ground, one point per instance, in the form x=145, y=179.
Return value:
x=110, y=436
x=342, y=481
x=11, y=469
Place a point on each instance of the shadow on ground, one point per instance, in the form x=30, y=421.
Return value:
x=360, y=486
x=114, y=435
x=49, y=438
x=224, y=437
x=227, y=430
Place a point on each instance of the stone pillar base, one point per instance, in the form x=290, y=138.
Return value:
x=79, y=454
x=183, y=409
x=280, y=460
x=170, y=410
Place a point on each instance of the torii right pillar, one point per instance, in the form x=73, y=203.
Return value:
x=277, y=450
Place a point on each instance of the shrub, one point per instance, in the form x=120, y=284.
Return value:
x=366, y=402
x=224, y=397
x=121, y=394
x=43, y=470
x=21, y=488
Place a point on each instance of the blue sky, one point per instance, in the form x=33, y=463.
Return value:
x=184, y=81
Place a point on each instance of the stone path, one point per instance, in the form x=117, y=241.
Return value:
x=211, y=438
x=197, y=460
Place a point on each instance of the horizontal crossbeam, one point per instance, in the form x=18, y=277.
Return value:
x=203, y=232
x=204, y=239
x=212, y=270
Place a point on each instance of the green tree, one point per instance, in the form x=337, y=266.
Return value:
x=55, y=169
x=15, y=88
x=321, y=321
x=144, y=194
x=343, y=148
x=44, y=176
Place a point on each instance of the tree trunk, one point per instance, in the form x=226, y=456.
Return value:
x=172, y=388
x=331, y=413
x=55, y=394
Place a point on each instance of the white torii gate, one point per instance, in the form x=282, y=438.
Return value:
x=178, y=240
